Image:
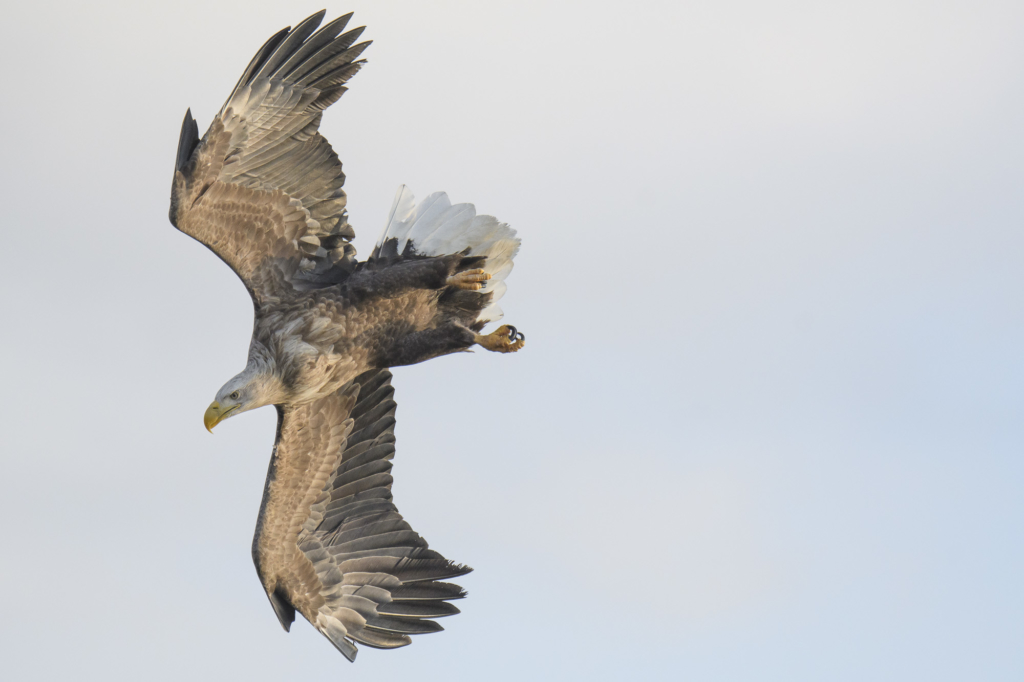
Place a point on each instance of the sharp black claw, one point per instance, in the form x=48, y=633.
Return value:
x=512, y=331
x=520, y=336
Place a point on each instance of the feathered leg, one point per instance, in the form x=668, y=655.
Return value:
x=403, y=276
x=448, y=338
x=424, y=345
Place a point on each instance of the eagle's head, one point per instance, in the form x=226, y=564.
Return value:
x=253, y=387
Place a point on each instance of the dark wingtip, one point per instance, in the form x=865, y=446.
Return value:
x=188, y=140
x=283, y=608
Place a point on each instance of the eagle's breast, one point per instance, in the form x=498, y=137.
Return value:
x=314, y=343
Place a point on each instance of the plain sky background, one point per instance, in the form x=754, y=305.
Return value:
x=768, y=423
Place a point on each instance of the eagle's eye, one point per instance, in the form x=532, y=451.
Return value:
x=234, y=395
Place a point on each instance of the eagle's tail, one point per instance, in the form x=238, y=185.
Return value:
x=437, y=228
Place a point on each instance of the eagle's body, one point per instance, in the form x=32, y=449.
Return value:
x=318, y=341
x=262, y=189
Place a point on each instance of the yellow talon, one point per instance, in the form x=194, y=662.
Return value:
x=505, y=339
x=468, y=280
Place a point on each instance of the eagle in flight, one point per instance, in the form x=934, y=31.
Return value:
x=262, y=189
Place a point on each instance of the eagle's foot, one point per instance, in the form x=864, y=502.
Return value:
x=505, y=339
x=470, y=280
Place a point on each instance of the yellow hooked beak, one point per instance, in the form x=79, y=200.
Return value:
x=215, y=415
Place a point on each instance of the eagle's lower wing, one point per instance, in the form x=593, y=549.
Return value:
x=263, y=189
x=329, y=541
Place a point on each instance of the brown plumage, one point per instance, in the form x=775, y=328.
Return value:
x=263, y=190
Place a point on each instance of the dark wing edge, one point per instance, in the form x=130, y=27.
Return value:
x=263, y=188
x=362, y=574
x=188, y=140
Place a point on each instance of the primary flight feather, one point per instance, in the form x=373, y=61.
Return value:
x=262, y=189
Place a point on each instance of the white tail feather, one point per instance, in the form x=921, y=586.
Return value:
x=425, y=217
x=437, y=228
x=402, y=210
x=491, y=313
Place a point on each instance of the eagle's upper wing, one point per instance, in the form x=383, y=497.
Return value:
x=262, y=189
x=329, y=541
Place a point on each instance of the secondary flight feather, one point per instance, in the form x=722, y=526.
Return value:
x=262, y=189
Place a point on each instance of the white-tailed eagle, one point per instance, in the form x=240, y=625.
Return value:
x=262, y=189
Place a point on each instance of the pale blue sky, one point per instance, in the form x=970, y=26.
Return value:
x=767, y=426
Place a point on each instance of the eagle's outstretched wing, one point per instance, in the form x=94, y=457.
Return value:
x=262, y=189
x=329, y=541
